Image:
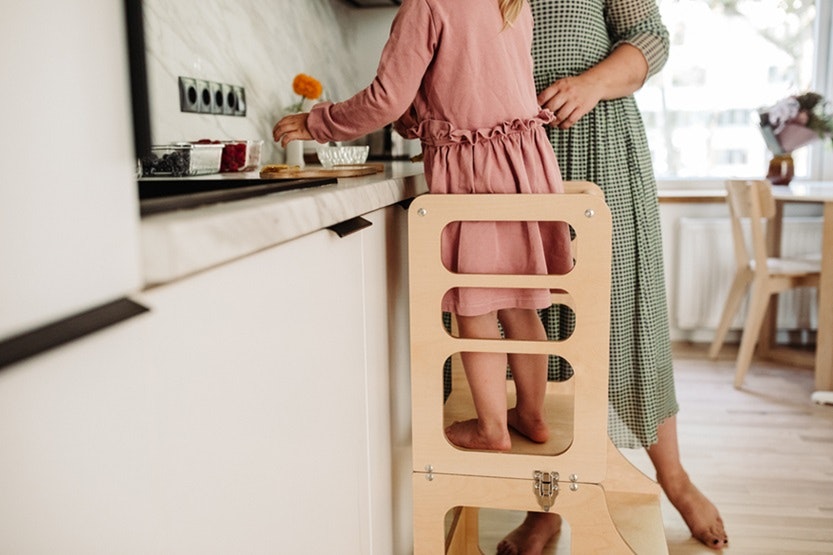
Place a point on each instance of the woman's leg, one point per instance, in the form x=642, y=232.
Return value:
x=486, y=375
x=529, y=371
x=699, y=513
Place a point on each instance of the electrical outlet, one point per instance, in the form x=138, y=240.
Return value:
x=240, y=100
x=228, y=99
x=204, y=91
x=217, y=100
x=189, y=97
x=210, y=97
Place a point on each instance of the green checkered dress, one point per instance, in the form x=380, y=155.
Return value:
x=608, y=147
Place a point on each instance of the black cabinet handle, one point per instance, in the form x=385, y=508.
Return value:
x=406, y=203
x=34, y=342
x=348, y=227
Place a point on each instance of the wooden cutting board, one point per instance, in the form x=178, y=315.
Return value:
x=293, y=172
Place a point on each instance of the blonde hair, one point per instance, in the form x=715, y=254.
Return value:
x=510, y=9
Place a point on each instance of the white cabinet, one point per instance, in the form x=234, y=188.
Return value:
x=259, y=407
x=263, y=407
x=68, y=206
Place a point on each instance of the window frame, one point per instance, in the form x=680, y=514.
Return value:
x=821, y=157
x=820, y=153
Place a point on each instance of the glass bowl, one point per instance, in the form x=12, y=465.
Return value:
x=330, y=156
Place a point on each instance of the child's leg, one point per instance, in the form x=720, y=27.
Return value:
x=529, y=372
x=486, y=374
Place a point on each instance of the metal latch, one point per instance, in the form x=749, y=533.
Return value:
x=546, y=488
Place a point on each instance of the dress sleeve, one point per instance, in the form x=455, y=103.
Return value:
x=638, y=23
x=405, y=59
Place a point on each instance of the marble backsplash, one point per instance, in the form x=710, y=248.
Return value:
x=261, y=45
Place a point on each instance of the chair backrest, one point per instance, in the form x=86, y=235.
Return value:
x=750, y=204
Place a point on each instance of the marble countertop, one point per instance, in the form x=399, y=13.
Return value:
x=177, y=244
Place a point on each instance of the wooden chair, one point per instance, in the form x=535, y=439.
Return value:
x=751, y=204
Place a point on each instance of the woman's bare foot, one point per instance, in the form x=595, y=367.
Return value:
x=700, y=514
x=532, y=536
x=469, y=434
x=535, y=429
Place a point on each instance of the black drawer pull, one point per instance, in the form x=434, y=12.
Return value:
x=348, y=227
x=405, y=203
x=55, y=334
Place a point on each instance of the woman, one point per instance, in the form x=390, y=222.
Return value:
x=590, y=57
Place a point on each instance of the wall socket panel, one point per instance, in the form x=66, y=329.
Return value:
x=209, y=97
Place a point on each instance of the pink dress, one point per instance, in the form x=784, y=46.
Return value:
x=455, y=78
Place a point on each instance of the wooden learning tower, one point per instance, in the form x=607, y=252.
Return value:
x=608, y=506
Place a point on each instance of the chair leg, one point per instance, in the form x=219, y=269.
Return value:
x=736, y=292
x=758, y=304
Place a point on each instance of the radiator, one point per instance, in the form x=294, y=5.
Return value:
x=705, y=264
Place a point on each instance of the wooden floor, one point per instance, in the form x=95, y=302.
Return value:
x=764, y=455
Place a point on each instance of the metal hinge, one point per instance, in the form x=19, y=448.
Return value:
x=546, y=488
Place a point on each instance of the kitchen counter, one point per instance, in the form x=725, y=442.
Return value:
x=180, y=243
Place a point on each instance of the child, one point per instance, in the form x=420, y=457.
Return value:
x=457, y=74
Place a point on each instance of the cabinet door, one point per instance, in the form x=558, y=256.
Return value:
x=232, y=418
x=263, y=409
x=68, y=239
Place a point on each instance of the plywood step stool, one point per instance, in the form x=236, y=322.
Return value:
x=609, y=505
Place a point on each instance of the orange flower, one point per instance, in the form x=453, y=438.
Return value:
x=306, y=86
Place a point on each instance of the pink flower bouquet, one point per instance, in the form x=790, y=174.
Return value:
x=796, y=121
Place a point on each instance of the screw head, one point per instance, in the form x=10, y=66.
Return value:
x=422, y=211
x=589, y=213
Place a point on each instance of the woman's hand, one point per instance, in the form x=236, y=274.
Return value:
x=569, y=99
x=291, y=128
x=621, y=74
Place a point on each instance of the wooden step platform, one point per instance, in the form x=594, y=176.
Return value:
x=608, y=506
x=632, y=499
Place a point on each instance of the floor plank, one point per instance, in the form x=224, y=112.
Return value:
x=763, y=455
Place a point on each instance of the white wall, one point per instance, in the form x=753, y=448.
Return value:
x=261, y=45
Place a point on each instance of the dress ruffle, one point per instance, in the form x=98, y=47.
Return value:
x=510, y=158
x=442, y=133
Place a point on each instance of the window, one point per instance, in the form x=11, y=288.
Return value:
x=729, y=58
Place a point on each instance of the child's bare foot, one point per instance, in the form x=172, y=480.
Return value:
x=532, y=536
x=468, y=434
x=700, y=514
x=535, y=429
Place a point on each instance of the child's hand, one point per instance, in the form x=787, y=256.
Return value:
x=291, y=128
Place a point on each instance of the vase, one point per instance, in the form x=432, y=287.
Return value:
x=295, y=153
x=781, y=169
